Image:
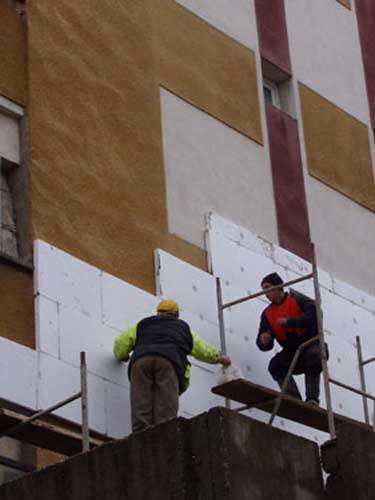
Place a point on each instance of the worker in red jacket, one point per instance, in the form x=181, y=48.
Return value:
x=291, y=320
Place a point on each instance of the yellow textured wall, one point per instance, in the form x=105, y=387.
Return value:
x=46, y=457
x=16, y=286
x=12, y=54
x=346, y=3
x=337, y=146
x=97, y=166
x=207, y=68
x=17, y=305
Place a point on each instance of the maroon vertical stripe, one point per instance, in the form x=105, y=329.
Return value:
x=273, y=33
x=366, y=24
x=288, y=182
x=286, y=164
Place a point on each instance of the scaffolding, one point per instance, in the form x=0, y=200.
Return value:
x=361, y=364
x=14, y=431
x=319, y=337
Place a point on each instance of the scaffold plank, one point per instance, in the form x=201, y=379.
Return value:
x=45, y=434
x=257, y=396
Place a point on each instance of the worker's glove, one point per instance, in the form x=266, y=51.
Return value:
x=225, y=360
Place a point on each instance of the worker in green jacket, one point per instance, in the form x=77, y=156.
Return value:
x=159, y=369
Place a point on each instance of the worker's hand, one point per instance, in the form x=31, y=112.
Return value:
x=282, y=321
x=225, y=360
x=265, y=338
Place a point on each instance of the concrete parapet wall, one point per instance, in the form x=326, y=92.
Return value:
x=147, y=465
x=354, y=477
x=218, y=455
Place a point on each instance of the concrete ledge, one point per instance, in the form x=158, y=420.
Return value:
x=218, y=455
x=354, y=475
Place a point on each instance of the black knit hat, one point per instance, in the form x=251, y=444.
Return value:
x=272, y=279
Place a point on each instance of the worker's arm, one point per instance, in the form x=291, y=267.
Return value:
x=124, y=343
x=265, y=338
x=203, y=351
x=308, y=317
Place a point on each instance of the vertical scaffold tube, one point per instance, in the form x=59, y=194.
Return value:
x=362, y=377
x=84, y=405
x=323, y=352
x=220, y=313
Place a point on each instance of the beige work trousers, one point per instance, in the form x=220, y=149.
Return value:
x=154, y=392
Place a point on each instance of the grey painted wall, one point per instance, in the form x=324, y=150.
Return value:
x=212, y=168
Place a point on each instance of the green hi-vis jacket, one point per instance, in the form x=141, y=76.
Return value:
x=202, y=350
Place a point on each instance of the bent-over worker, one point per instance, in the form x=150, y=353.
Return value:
x=159, y=370
x=291, y=320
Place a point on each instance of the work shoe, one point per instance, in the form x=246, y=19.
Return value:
x=313, y=402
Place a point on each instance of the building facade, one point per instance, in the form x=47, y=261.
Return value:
x=123, y=124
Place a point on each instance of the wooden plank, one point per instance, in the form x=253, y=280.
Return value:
x=257, y=396
x=46, y=434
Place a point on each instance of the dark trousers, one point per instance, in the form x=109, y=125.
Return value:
x=309, y=363
x=154, y=392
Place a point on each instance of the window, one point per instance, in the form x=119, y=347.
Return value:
x=8, y=227
x=278, y=88
x=14, y=185
x=267, y=93
x=271, y=92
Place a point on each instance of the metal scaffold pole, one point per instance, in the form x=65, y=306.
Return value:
x=285, y=384
x=33, y=424
x=84, y=405
x=220, y=311
x=362, y=377
x=323, y=352
x=239, y=387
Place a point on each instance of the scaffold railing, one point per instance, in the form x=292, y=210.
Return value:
x=82, y=394
x=319, y=337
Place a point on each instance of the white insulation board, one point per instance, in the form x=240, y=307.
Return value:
x=79, y=307
x=241, y=259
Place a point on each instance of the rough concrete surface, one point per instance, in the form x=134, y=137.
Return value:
x=258, y=462
x=218, y=455
x=355, y=477
x=147, y=465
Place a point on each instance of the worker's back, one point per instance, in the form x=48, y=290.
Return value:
x=165, y=336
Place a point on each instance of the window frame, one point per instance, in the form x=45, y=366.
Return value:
x=20, y=172
x=274, y=89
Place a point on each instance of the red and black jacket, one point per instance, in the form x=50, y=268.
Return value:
x=300, y=312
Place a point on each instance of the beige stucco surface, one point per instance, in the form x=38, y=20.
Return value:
x=16, y=287
x=346, y=3
x=98, y=177
x=17, y=305
x=207, y=68
x=337, y=148
x=12, y=54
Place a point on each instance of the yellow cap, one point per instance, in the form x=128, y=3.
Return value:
x=168, y=307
